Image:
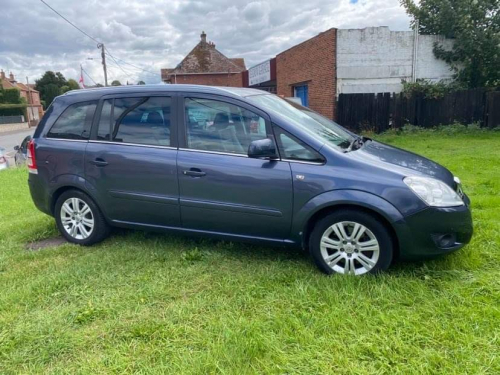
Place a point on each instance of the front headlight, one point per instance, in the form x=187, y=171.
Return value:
x=433, y=192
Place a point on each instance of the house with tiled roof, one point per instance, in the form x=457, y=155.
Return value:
x=34, y=109
x=205, y=65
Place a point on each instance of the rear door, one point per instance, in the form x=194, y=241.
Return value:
x=222, y=190
x=131, y=159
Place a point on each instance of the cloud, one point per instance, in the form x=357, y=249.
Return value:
x=157, y=34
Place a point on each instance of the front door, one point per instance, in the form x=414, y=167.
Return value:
x=302, y=92
x=221, y=189
x=131, y=160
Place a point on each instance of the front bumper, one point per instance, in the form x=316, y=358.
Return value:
x=421, y=235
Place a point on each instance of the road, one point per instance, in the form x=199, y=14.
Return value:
x=10, y=139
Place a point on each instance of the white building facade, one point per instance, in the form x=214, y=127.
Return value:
x=376, y=59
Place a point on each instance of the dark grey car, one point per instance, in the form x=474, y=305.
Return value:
x=239, y=164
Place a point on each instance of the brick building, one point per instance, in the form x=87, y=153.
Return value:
x=34, y=110
x=205, y=65
x=308, y=71
x=316, y=71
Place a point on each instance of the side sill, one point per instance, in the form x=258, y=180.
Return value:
x=203, y=232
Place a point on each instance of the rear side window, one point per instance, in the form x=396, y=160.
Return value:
x=75, y=122
x=145, y=121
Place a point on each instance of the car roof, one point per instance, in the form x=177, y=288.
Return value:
x=91, y=93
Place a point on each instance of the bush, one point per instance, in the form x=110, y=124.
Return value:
x=12, y=96
x=13, y=110
x=454, y=128
x=429, y=90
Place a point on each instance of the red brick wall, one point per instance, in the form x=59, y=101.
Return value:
x=233, y=79
x=312, y=62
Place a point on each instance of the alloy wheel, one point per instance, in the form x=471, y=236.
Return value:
x=77, y=218
x=349, y=248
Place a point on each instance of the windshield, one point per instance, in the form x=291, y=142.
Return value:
x=317, y=125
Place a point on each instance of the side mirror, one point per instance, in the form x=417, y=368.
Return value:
x=263, y=148
x=16, y=148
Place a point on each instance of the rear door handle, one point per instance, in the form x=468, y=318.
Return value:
x=99, y=162
x=194, y=172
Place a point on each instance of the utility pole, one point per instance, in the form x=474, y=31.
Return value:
x=415, y=51
x=101, y=46
x=80, y=81
x=30, y=101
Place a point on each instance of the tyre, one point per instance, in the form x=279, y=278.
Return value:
x=79, y=219
x=351, y=242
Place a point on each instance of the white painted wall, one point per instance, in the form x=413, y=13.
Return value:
x=376, y=59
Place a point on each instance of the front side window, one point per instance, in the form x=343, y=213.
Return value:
x=214, y=125
x=292, y=148
x=75, y=122
x=136, y=120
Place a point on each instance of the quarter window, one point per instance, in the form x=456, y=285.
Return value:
x=75, y=122
x=213, y=125
x=136, y=120
x=292, y=148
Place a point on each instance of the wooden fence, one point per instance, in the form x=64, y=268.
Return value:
x=379, y=112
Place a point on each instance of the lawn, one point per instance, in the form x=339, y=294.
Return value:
x=153, y=303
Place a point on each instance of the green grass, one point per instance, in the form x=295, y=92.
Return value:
x=152, y=303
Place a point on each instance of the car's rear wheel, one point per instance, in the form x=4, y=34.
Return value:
x=351, y=242
x=79, y=219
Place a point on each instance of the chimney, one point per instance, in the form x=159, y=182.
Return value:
x=2, y=74
x=11, y=77
x=203, y=37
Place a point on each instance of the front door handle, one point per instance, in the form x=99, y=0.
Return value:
x=99, y=162
x=194, y=172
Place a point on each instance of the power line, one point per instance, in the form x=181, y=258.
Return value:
x=114, y=66
x=99, y=43
x=135, y=66
x=71, y=23
x=88, y=75
x=116, y=62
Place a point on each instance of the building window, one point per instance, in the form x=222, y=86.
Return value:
x=302, y=92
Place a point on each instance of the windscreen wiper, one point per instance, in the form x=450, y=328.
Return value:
x=357, y=143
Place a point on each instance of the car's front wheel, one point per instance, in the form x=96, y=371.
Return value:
x=79, y=219
x=351, y=242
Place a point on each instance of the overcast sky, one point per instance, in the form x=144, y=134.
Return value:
x=154, y=34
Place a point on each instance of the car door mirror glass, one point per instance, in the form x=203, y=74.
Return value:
x=262, y=148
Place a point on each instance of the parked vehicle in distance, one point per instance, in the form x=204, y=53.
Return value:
x=4, y=164
x=21, y=151
x=239, y=164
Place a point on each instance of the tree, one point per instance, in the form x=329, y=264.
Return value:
x=141, y=83
x=475, y=27
x=72, y=85
x=116, y=83
x=50, y=86
x=50, y=91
